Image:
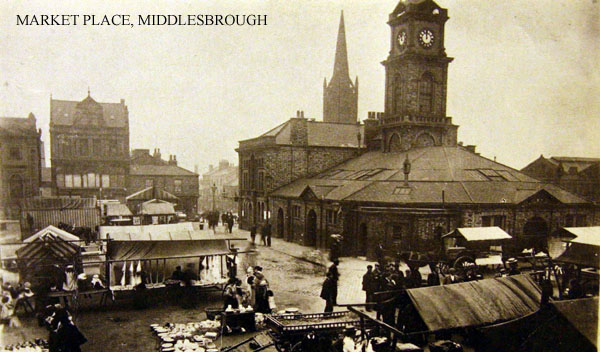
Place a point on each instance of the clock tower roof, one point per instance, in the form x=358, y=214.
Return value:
x=422, y=7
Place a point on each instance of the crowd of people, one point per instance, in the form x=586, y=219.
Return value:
x=253, y=291
x=265, y=233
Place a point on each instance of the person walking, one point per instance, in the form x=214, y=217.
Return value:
x=253, y=233
x=368, y=285
x=329, y=292
x=230, y=222
x=268, y=233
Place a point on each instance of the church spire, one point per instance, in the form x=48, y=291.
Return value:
x=340, y=67
x=340, y=96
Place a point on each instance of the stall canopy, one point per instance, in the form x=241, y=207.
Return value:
x=49, y=245
x=476, y=303
x=156, y=207
x=584, y=248
x=492, y=233
x=117, y=209
x=583, y=235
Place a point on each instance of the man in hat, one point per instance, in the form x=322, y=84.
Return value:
x=369, y=286
x=329, y=292
x=513, y=267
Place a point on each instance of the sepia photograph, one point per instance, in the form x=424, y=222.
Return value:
x=299, y=176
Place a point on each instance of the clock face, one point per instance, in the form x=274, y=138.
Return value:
x=426, y=38
x=402, y=39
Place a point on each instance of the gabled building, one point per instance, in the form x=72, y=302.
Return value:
x=150, y=171
x=89, y=148
x=223, y=181
x=20, y=163
x=577, y=175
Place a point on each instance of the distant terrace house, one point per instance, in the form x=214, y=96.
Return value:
x=89, y=148
x=577, y=175
x=20, y=163
x=151, y=171
x=225, y=180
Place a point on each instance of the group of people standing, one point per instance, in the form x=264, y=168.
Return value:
x=254, y=291
x=265, y=232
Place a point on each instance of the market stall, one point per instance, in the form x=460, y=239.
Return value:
x=157, y=250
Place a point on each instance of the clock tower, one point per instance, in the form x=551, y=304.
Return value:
x=416, y=76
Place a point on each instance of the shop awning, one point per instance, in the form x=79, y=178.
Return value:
x=491, y=233
x=476, y=303
x=584, y=235
x=582, y=255
x=140, y=250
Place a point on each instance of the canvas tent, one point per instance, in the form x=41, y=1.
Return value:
x=492, y=233
x=475, y=303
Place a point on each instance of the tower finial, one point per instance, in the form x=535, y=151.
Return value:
x=88, y=91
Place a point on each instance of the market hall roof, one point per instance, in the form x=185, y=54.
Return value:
x=462, y=177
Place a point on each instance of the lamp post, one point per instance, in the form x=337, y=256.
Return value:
x=213, y=189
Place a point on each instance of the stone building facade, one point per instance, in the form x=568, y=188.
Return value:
x=577, y=175
x=89, y=148
x=20, y=163
x=148, y=171
x=414, y=181
x=297, y=148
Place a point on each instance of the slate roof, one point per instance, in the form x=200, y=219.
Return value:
x=62, y=112
x=160, y=208
x=117, y=210
x=159, y=170
x=323, y=134
x=17, y=126
x=463, y=176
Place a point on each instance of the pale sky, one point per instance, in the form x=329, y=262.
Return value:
x=524, y=82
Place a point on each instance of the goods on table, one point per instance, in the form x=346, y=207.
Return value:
x=196, y=336
x=39, y=345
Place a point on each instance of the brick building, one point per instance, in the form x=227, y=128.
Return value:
x=20, y=163
x=577, y=175
x=414, y=182
x=89, y=148
x=225, y=179
x=151, y=171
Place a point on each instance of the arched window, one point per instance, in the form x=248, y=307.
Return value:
x=16, y=187
x=395, y=144
x=425, y=140
x=426, y=93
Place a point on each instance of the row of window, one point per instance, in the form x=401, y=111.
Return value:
x=257, y=182
x=90, y=180
x=16, y=153
x=90, y=147
x=178, y=184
